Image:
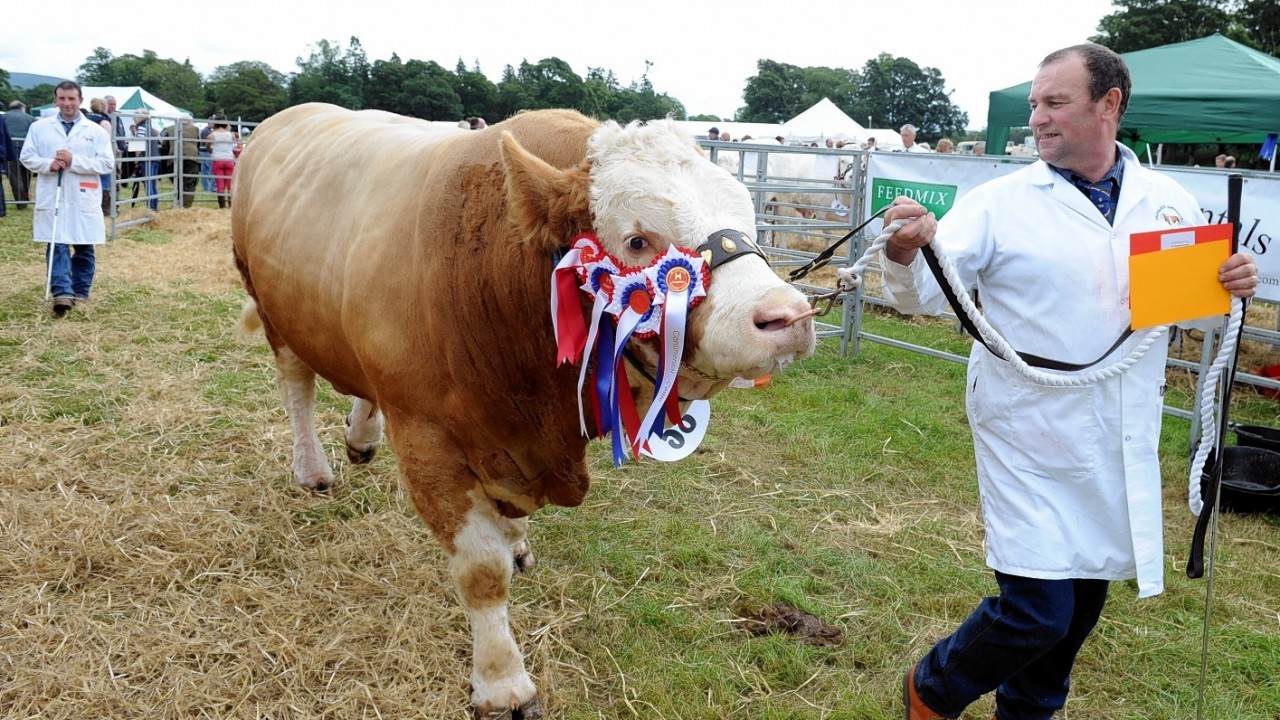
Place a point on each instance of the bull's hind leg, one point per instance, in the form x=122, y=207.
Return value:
x=482, y=546
x=297, y=383
x=364, y=431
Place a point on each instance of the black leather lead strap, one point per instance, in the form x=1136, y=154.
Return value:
x=1033, y=360
x=825, y=256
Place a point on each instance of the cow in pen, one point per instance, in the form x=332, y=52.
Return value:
x=412, y=269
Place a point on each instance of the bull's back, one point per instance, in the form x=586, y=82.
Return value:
x=351, y=226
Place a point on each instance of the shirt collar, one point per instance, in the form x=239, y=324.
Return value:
x=1116, y=173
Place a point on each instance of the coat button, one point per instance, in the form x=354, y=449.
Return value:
x=1127, y=438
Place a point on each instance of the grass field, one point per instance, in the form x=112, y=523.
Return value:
x=157, y=561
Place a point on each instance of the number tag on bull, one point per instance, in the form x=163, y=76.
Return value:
x=679, y=441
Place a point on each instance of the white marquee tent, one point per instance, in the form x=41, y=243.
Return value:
x=823, y=120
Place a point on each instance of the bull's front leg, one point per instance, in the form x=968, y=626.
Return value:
x=484, y=549
x=484, y=558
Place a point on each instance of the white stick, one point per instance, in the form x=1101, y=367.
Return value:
x=57, y=205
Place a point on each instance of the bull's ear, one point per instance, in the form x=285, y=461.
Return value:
x=546, y=206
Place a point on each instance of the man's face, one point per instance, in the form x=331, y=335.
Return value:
x=1070, y=128
x=908, y=137
x=68, y=102
x=111, y=105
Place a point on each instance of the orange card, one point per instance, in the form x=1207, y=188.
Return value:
x=1173, y=274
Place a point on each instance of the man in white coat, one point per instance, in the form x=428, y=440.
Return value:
x=1069, y=478
x=68, y=149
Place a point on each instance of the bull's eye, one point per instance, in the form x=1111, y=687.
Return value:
x=637, y=243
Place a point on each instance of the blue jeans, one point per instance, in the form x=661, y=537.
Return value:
x=153, y=169
x=1021, y=644
x=206, y=171
x=73, y=267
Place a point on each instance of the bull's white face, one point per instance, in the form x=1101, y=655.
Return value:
x=651, y=187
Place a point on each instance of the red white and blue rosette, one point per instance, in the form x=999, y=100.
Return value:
x=643, y=302
x=680, y=281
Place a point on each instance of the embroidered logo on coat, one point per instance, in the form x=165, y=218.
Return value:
x=1169, y=214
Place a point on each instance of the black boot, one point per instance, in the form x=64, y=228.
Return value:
x=222, y=201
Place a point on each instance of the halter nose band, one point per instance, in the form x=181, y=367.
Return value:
x=723, y=246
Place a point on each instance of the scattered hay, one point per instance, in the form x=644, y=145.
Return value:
x=198, y=258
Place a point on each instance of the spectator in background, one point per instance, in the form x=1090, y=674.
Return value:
x=1229, y=163
x=870, y=144
x=206, y=161
x=724, y=137
x=16, y=122
x=145, y=150
x=98, y=113
x=946, y=147
x=781, y=140
x=117, y=134
x=120, y=145
x=477, y=123
x=188, y=150
x=222, y=149
x=980, y=148
x=7, y=153
x=908, y=133
x=713, y=133
x=1220, y=161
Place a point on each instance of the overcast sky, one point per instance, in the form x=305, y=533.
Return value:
x=702, y=54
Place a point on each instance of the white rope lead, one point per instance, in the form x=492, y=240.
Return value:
x=850, y=279
x=1209, y=403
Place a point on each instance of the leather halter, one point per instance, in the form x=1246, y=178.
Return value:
x=724, y=246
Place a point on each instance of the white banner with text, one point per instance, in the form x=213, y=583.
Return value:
x=937, y=181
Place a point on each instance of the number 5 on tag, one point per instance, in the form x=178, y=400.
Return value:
x=679, y=441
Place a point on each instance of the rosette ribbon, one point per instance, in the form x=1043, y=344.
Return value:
x=627, y=302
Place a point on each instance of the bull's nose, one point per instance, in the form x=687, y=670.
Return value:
x=783, y=310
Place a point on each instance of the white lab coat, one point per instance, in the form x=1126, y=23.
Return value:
x=80, y=215
x=1069, y=478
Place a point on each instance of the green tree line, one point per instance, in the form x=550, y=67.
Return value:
x=344, y=76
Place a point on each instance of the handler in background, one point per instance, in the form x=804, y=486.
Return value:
x=70, y=142
x=1069, y=478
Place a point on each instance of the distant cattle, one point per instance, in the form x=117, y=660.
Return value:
x=828, y=174
x=411, y=269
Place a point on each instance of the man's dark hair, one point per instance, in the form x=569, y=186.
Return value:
x=1106, y=70
x=69, y=85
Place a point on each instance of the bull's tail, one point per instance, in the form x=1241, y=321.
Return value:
x=250, y=320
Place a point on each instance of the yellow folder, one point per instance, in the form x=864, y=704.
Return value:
x=1173, y=274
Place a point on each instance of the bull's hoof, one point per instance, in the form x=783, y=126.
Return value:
x=523, y=558
x=316, y=483
x=360, y=457
x=527, y=711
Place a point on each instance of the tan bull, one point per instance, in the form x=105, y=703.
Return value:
x=410, y=268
